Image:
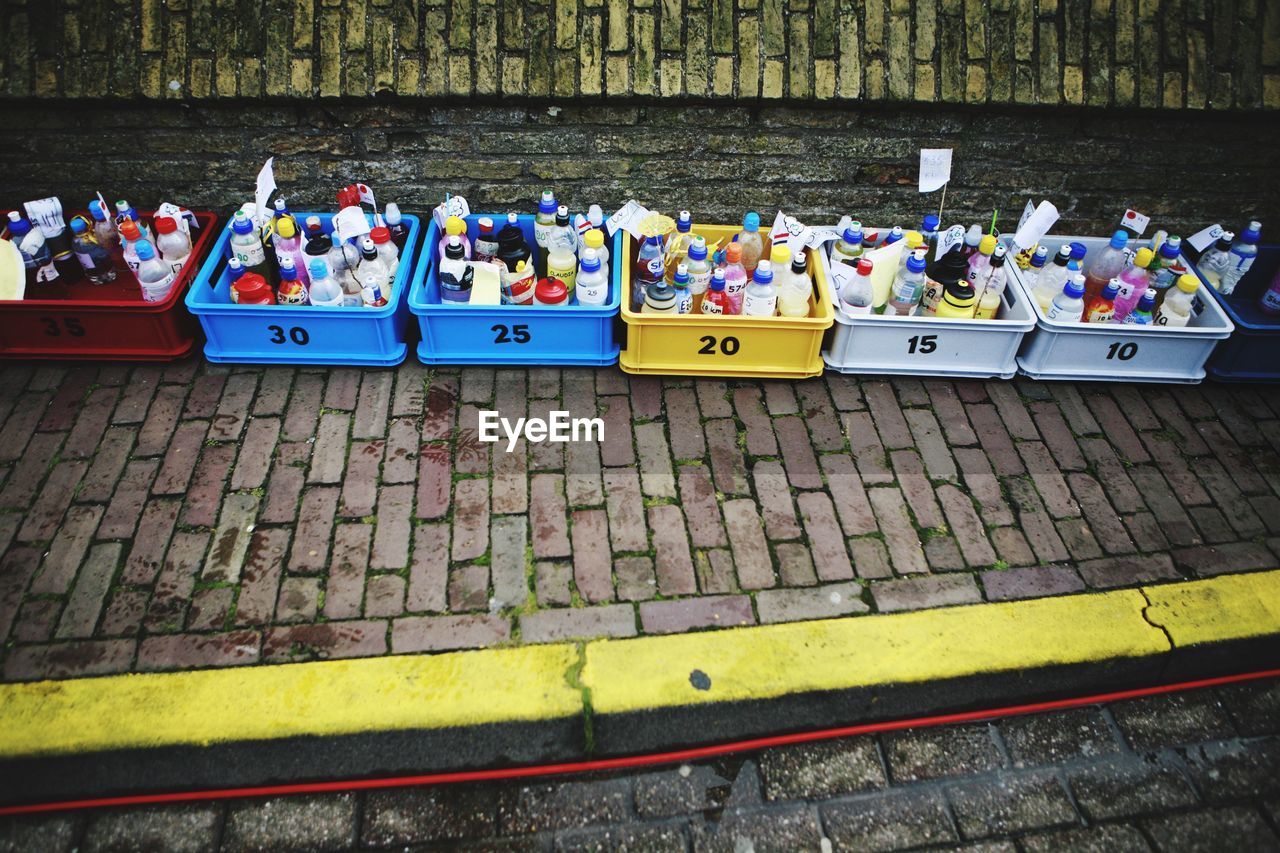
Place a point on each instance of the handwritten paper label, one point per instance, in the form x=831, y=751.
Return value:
x=262, y=193
x=1033, y=229
x=935, y=168
x=1026, y=212
x=628, y=217
x=791, y=231
x=1135, y=221
x=350, y=222
x=948, y=239
x=46, y=213
x=454, y=205
x=1202, y=240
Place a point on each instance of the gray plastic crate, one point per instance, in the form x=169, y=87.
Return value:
x=928, y=346
x=1059, y=350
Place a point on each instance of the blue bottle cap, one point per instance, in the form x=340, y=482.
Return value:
x=234, y=268
x=590, y=261
x=1111, y=291
x=915, y=264
x=318, y=268
x=930, y=223
x=548, y=202
x=1074, y=266
x=1078, y=251
x=1253, y=233
x=79, y=226
x=1073, y=288
x=653, y=241
x=97, y=211
x=682, y=276
x=763, y=273
x=684, y=222
x=698, y=250
x=751, y=222
x=1148, y=300
x=717, y=279
x=1169, y=248
x=287, y=269
x=18, y=227
x=242, y=224
x=145, y=250
x=1119, y=240
x=853, y=235
x=1040, y=257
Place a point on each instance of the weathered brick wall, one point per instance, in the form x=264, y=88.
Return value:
x=1220, y=54
x=1185, y=170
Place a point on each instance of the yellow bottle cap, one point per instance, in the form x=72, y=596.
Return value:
x=779, y=255
x=284, y=227
x=1143, y=258
x=594, y=238
x=454, y=225
x=1188, y=283
x=914, y=239
x=988, y=244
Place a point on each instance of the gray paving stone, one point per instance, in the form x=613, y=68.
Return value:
x=561, y=805
x=782, y=830
x=1172, y=719
x=432, y=813
x=935, y=753
x=1038, y=739
x=291, y=823
x=1127, y=787
x=1235, y=769
x=1011, y=804
x=181, y=829
x=1208, y=831
x=1110, y=838
x=823, y=769
x=890, y=821
x=55, y=833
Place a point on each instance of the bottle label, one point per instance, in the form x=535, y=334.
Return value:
x=485, y=250
x=1101, y=314
x=178, y=264
x=856, y=309
x=1172, y=319
x=1126, y=290
x=699, y=281
x=542, y=233
x=568, y=277
x=710, y=307
x=684, y=302
x=251, y=254
x=1271, y=300
x=932, y=293
x=86, y=261
x=759, y=306
x=156, y=291
x=734, y=287
x=591, y=294
x=48, y=272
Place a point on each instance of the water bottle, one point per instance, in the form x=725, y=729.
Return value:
x=386, y=250
x=371, y=263
x=374, y=292
x=735, y=277
x=716, y=301
x=1175, y=311
x=699, y=270
x=486, y=245
x=1270, y=301
x=1106, y=264
x=37, y=257
x=545, y=221
x=396, y=225
x=1134, y=282
x=761, y=296
x=1215, y=262
x=325, y=291
x=1243, y=252
x=751, y=243
x=1141, y=315
x=94, y=258
x=645, y=272
x=455, y=226
x=848, y=248
x=993, y=288
x=1068, y=306
x=1102, y=308
x=795, y=289
x=104, y=227
x=293, y=290
x=680, y=284
x=857, y=295
x=172, y=243
x=246, y=244
x=592, y=283
x=456, y=275
x=154, y=275
x=512, y=247
x=1052, y=278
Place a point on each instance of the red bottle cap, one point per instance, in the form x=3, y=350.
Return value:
x=381, y=234
x=129, y=229
x=550, y=291
x=349, y=196
x=165, y=225
x=252, y=289
x=865, y=266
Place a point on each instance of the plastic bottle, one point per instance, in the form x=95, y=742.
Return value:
x=870, y=237
x=96, y=260
x=235, y=270
x=1134, y=282
x=317, y=245
x=972, y=239
x=699, y=271
x=252, y=289
x=293, y=290
x=288, y=244
x=1141, y=315
x=644, y=274
x=913, y=240
x=959, y=300
x=1102, y=308
x=545, y=220
x=154, y=275
x=680, y=284
x=1215, y=262
x=594, y=239
x=325, y=291
x=929, y=231
x=988, y=305
x=796, y=289
x=1164, y=267
x=751, y=243
x=371, y=263
x=344, y=260
x=1243, y=252
x=37, y=257
x=562, y=264
x=1035, y=264
x=455, y=226
x=485, y=248
x=512, y=247
x=282, y=213
x=848, y=248
x=374, y=293
x=396, y=225
x=246, y=244
x=1052, y=278
x=761, y=296
x=592, y=284
x=1269, y=302
x=857, y=295
x=386, y=249
x=130, y=235
x=1068, y=306
x=895, y=234
x=456, y=274
x=659, y=298
x=126, y=211
x=980, y=263
x=1175, y=311
x=1106, y=264
x=716, y=301
x=735, y=277
x=943, y=272
x=518, y=284
x=908, y=288
x=677, y=246
x=104, y=227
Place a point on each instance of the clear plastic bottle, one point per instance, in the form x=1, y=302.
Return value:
x=972, y=238
x=1035, y=264
x=716, y=301
x=857, y=295
x=1068, y=306
x=1106, y=264
x=988, y=305
x=396, y=225
x=1102, y=308
x=293, y=290
x=317, y=244
x=130, y=235
x=751, y=242
x=1243, y=252
x=456, y=275
x=1134, y=282
x=246, y=243
x=795, y=289
x=37, y=257
x=96, y=260
x=288, y=244
x=680, y=284
x=644, y=274
x=545, y=220
x=172, y=243
x=485, y=248
x=281, y=214
x=594, y=239
x=1175, y=311
x=386, y=249
x=735, y=277
x=374, y=293
x=371, y=264
x=1053, y=278
x=980, y=263
x=908, y=288
x=677, y=246
x=1215, y=262
x=562, y=263
x=104, y=227
x=1164, y=267
x=592, y=284
x=154, y=275
x=1141, y=315
x=761, y=296
x=929, y=231
x=325, y=291
x=455, y=226
x=848, y=248
x=699, y=270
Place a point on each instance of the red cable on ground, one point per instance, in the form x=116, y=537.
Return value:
x=632, y=761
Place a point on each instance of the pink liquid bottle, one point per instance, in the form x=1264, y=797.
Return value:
x=735, y=277
x=1133, y=282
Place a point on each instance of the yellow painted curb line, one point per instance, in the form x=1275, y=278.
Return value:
x=535, y=683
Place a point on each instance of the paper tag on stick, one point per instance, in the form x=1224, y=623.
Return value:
x=1032, y=231
x=948, y=239
x=262, y=193
x=1135, y=221
x=1202, y=240
x=935, y=168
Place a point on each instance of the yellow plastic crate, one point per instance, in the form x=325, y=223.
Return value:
x=728, y=345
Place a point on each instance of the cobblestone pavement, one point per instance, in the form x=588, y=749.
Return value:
x=1192, y=771
x=162, y=517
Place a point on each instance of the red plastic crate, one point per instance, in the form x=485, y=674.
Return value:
x=107, y=321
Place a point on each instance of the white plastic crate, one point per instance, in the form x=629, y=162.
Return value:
x=928, y=346
x=1106, y=351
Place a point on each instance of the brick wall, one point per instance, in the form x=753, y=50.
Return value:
x=1219, y=54
x=818, y=162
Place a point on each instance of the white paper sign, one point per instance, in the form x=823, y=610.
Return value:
x=948, y=239
x=935, y=168
x=791, y=231
x=262, y=194
x=1202, y=240
x=1032, y=231
x=1026, y=212
x=1135, y=221
x=46, y=213
x=350, y=222
x=628, y=217
x=454, y=205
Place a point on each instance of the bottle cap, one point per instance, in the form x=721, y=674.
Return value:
x=550, y=291
x=998, y=256
x=865, y=266
x=914, y=239
x=1119, y=240
x=590, y=260
x=318, y=268
x=733, y=253
x=562, y=215
x=717, y=279
x=800, y=263
x=284, y=227
x=128, y=230
x=486, y=224
x=548, y=202
x=1143, y=258
x=145, y=250
x=1074, y=287
x=392, y=214
x=751, y=222
x=252, y=288
x=280, y=205
x=1063, y=255
x=313, y=223
x=698, y=249
x=915, y=264
x=594, y=238
x=235, y=268
x=1224, y=242
x=853, y=235
x=1112, y=290
x=987, y=244
x=682, y=274
x=380, y=235
x=78, y=225
x=780, y=254
x=367, y=248
x=1041, y=255
x=453, y=249
x=454, y=225
x=763, y=273
x=1170, y=248
x=654, y=240
x=1078, y=251
x=98, y=211
x=973, y=236
x=1188, y=283
x=513, y=219
x=18, y=226
x=660, y=291
x=1073, y=266
x=1148, y=299
x=894, y=235
x=242, y=224
x=870, y=237
x=287, y=268
x=684, y=222
x=930, y=223
x=1253, y=233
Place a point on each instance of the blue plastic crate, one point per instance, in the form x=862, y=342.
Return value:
x=457, y=333
x=1252, y=354
x=301, y=334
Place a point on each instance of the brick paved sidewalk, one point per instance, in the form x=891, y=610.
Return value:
x=1194, y=771
x=162, y=517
